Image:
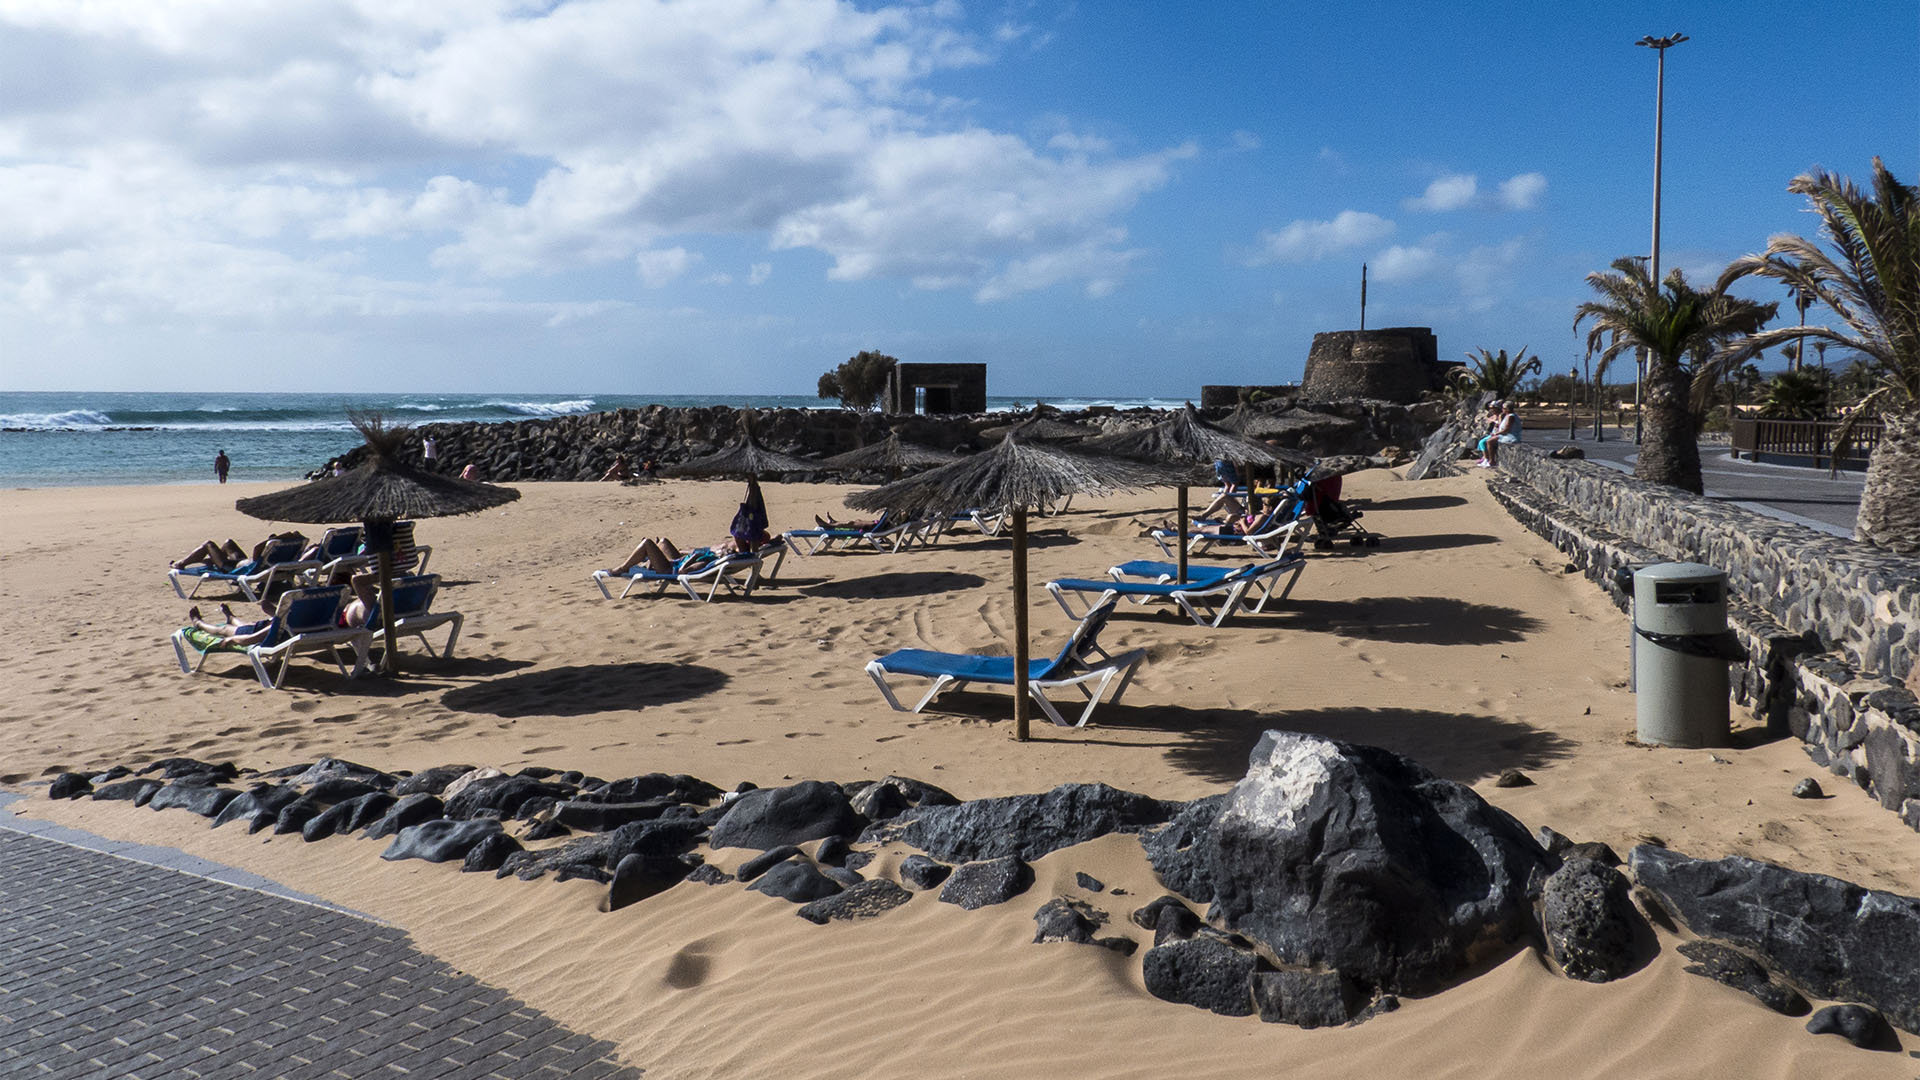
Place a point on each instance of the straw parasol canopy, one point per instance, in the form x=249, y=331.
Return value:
x=382, y=490
x=745, y=458
x=892, y=454
x=1184, y=438
x=1017, y=476
x=1254, y=423
x=1040, y=427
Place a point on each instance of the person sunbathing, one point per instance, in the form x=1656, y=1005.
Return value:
x=232, y=630
x=747, y=532
x=827, y=521
x=230, y=557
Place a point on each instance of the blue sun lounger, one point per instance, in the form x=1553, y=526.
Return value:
x=1209, y=597
x=1079, y=663
x=696, y=571
x=305, y=621
x=250, y=577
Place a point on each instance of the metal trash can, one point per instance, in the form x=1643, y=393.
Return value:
x=1681, y=649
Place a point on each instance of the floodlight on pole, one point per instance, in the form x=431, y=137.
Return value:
x=1660, y=46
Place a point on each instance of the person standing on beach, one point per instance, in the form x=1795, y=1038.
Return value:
x=220, y=466
x=429, y=449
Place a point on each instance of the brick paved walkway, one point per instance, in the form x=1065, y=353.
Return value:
x=115, y=968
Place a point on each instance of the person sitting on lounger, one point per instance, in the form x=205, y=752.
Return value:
x=1237, y=523
x=748, y=532
x=230, y=557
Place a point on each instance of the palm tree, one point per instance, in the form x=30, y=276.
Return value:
x=1672, y=321
x=1872, y=282
x=1795, y=395
x=1496, y=372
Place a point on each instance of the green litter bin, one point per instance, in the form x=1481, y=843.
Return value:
x=1681, y=649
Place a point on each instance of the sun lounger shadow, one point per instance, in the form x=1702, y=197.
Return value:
x=1036, y=538
x=586, y=689
x=1419, y=502
x=1415, y=620
x=1440, y=541
x=895, y=585
x=1213, y=744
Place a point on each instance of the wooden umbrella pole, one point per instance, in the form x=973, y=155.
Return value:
x=386, y=604
x=1181, y=536
x=1020, y=704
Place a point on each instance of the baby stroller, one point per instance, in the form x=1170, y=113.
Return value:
x=1319, y=495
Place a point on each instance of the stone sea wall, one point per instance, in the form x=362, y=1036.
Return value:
x=1832, y=626
x=583, y=447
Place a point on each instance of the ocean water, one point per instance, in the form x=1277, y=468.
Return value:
x=55, y=439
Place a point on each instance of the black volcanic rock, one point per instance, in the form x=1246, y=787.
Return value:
x=981, y=884
x=1731, y=967
x=430, y=781
x=439, y=840
x=1207, y=972
x=1835, y=939
x=922, y=872
x=503, y=794
x=487, y=855
x=797, y=880
x=862, y=901
x=407, y=812
x=1589, y=920
x=69, y=785
x=1027, y=826
x=199, y=798
x=770, y=817
x=1355, y=859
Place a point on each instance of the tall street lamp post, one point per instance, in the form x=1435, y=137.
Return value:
x=1660, y=46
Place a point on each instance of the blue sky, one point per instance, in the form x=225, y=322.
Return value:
x=733, y=196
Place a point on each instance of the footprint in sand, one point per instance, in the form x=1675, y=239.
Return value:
x=303, y=706
x=732, y=742
x=801, y=734
x=691, y=966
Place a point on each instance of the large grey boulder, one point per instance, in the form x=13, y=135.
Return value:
x=1178, y=850
x=770, y=817
x=1354, y=859
x=1835, y=939
x=1027, y=826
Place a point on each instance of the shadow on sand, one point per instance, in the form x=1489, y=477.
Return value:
x=1414, y=620
x=581, y=690
x=1214, y=743
x=1435, y=541
x=895, y=585
x=1036, y=538
x=1417, y=502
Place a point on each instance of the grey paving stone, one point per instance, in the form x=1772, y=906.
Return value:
x=115, y=967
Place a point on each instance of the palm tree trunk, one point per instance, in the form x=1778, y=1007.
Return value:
x=1890, y=501
x=1670, y=454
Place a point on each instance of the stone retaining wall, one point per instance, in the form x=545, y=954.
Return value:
x=1831, y=625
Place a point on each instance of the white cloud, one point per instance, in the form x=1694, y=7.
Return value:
x=759, y=272
x=417, y=146
x=657, y=268
x=1306, y=240
x=1399, y=263
x=1450, y=192
x=1245, y=140
x=1522, y=192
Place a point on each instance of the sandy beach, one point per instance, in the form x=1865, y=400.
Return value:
x=1463, y=642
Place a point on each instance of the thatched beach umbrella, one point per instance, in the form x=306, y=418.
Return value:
x=1041, y=428
x=1017, y=476
x=381, y=491
x=892, y=454
x=1186, y=439
x=744, y=459
x=1254, y=423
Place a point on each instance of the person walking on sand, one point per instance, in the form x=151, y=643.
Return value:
x=220, y=466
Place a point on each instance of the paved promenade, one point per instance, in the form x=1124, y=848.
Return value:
x=114, y=967
x=1792, y=493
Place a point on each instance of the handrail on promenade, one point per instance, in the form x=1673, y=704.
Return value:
x=1793, y=442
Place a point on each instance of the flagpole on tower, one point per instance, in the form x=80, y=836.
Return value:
x=1363, y=296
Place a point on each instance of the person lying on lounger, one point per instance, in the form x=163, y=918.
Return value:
x=231, y=557
x=232, y=629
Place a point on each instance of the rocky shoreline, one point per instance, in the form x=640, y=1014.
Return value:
x=1331, y=880
x=582, y=447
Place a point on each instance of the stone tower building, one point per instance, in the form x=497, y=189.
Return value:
x=1398, y=363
